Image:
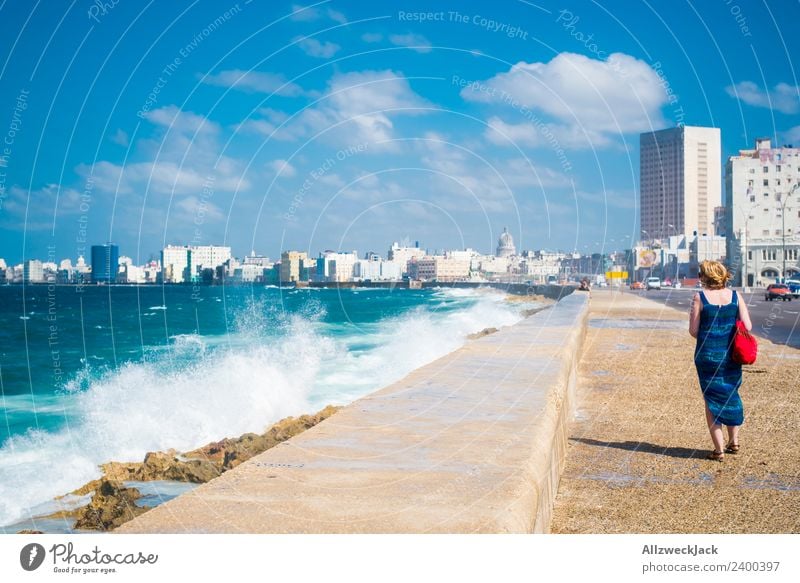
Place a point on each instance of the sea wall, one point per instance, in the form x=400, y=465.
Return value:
x=472, y=442
x=551, y=291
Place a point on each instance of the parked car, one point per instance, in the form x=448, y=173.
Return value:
x=794, y=287
x=653, y=283
x=778, y=291
x=637, y=285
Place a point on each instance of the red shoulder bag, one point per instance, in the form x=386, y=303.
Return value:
x=744, y=348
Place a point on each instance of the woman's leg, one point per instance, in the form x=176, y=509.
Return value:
x=715, y=429
x=733, y=434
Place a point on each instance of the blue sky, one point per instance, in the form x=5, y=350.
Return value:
x=348, y=125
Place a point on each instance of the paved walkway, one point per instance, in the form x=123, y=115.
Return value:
x=635, y=460
x=472, y=442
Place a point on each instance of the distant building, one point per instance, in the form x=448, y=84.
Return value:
x=680, y=181
x=32, y=271
x=439, y=268
x=105, y=263
x=186, y=263
x=763, y=199
x=130, y=273
x=402, y=254
x=291, y=266
x=175, y=264
x=373, y=268
x=706, y=248
x=505, y=245
x=335, y=267
x=540, y=265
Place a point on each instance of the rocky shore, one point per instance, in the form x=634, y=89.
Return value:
x=113, y=503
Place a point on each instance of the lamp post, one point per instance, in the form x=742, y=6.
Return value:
x=746, y=240
x=783, y=229
x=674, y=228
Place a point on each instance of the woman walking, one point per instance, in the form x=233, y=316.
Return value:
x=712, y=322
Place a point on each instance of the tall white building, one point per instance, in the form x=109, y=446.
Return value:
x=680, y=181
x=332, y=266
x=185, y=263
x=763, y=212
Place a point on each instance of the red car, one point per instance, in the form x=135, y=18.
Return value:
x=637, y=285
x=778, y=291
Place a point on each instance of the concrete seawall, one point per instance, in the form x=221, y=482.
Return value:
x=472, y=442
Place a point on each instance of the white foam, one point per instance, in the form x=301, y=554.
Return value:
x=201, y=389
x=149, y=406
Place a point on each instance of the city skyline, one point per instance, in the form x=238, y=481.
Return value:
x=343, y=126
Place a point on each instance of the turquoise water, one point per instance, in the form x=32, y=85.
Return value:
x=115, y=372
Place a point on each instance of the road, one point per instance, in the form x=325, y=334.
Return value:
x=777, y=321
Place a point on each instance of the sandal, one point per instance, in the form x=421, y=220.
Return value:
x=732, y=448
x=716, y=456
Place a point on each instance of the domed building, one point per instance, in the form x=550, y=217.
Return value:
x=505, y=245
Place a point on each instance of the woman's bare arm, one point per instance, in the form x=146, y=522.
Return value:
x=744, y=314
x=694, y=315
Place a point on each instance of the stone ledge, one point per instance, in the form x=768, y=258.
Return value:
x=472, y=442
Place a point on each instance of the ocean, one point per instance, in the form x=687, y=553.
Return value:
x=110, y=373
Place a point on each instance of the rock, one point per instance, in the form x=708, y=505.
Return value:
x=28, y=531
x=111, y=505
x=532, y=311
x=482, y=333
x=158, y=465
x=231, y=452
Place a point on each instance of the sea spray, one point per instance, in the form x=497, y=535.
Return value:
x=275, y=356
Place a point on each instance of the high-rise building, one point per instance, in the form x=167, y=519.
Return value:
x=680, y=181
x=291, y=265
x=32, y=271
x=175, y=264
x=185, y=263
x=762, y=201
x=105, y=263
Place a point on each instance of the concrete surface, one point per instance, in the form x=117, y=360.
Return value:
x=473, y=442
x=637, y=444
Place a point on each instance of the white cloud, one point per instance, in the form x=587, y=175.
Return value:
x=792, y=136
x=120, y=138
x=372, y=37
x=462, y=178
x=416, y=41
x=783, y=97
x=553, y=136
x=309, y=14
x=42, y=206
x=191, y=208
x=315, y=48
x=178, y=159
x=254, y=81
x=283, y=168
x=620, y=94
x=176, y=120
x=360, y=104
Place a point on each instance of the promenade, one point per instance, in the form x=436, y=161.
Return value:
x=635, y=460
x=473, y=442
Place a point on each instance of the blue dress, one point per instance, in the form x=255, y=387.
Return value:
x=720, y=377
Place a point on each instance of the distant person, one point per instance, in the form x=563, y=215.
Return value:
x=712, y=321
